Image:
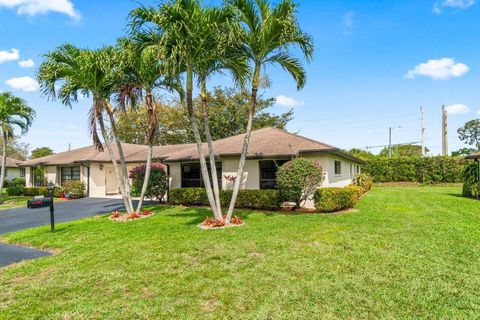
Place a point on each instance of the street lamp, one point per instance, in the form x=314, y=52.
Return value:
x=390, y=139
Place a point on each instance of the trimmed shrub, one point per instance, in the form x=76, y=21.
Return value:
x=158, y=182
x=252, y=199
x=74, y=189
x=298, y=179
x=15, y=190
x=438, y=169
x=471, y=180
x=336, y=199
x=364, y=181
x=17, y=182
x=35, y=191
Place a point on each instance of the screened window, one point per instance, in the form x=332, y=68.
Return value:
x=268, y=173
x=22, y=172
x=70, y=173
x=338, y=167
x=192, y=175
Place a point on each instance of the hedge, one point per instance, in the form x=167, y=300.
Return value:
x=336, y=199
x=249, y=199
x=33, y=191
x=437, y=169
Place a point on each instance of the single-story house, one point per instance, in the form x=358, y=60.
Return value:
x=12, y=170
x=268, y=149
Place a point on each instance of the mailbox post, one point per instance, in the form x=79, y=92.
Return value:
x=51, y=187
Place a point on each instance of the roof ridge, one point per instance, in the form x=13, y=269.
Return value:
x=303, y=137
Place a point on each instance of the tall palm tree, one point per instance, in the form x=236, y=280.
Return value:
x=141, y=74
x=14, y=112
x=270, y=33
x=88, y=73
x=186, y=34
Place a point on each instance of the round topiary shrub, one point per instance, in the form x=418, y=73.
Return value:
x=158, y=182
x=298, y=179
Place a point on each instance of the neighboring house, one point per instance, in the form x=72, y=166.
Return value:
x=12, y=169
x=269, y=148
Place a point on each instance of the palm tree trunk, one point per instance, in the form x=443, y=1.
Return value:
x=246, y=141
x=213, y=165
x=4, y=162
x=146, y=179
x=121, y=155
x=198, y=140
x=149, y=101
x=121, y=182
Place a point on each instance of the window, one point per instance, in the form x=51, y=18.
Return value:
x=268, y=173
x=338, y=167
x=70, y=173
x=357, y=169
x=192, y=175
x=22, y=172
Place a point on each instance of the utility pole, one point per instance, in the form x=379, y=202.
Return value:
x=444, y=131
x=422, y=131
x=389, y=142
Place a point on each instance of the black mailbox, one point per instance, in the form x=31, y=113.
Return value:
x=39, y=203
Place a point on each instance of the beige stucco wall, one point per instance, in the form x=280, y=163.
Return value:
x=97, y=180
x=175, y=175
x=28, y=177
x=251, y=174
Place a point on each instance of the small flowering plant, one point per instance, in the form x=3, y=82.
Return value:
x=124, y=217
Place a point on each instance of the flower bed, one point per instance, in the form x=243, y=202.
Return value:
x=124, y=217
x=210, y=223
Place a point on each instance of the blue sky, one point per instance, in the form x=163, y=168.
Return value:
x=375, y=64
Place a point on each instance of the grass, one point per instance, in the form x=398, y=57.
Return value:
x=404, y=253
x=10, y=202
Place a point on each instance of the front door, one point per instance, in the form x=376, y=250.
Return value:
x=111, y=185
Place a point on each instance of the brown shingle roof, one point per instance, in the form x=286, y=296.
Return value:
x=132, y=152
x=475, y=155
x=11, y=162
x=266, y=142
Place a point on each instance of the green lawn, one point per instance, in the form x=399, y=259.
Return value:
x=10, y=202
x=404, y=253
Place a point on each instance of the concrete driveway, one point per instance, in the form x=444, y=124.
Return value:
x=12, y=220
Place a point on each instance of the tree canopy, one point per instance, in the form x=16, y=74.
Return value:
x=227, y=113
x=41, y=152
x=470, y=133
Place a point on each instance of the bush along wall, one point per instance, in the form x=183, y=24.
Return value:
x=415, y=169
x=336, y=199
x=248, y=199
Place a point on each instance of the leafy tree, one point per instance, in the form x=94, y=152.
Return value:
x=270, y=34
x=227, y=114
x=362, y=154
x=41, y=152
x=16, y=149
x=298, y=179
x=14, y=112
x=405, y=150
x=68, y=72
x=470, y=133
x=463, y=152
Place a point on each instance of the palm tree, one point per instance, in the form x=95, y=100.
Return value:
x=187, y=35
x=88, y=73
x=141, y=74
x=14, y=112
x=269, y=35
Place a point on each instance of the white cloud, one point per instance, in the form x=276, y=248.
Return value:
x=23, y=83
x=348, y=19
x=440, y=69
x=26, y=63
x=457, y=109
x=452, y=4
x=287, y=101
x=34, y=7
x=12, y=55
